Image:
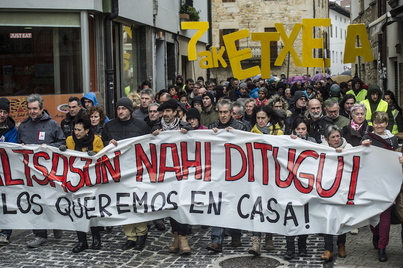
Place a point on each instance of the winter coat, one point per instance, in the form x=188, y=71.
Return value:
x=44, y=130
x=353, y=136
x=97, y=144
x=67, y=123
x=232, y=123
x=119, y=130
x=92, y=97
x=8, y=131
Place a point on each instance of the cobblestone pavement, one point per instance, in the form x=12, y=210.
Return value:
x=58, y=252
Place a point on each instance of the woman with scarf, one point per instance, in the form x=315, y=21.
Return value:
x=381, y=137
x=358, y=126
x=265, y=121
x=335, y=140
x=300, y=129
x=83, y=139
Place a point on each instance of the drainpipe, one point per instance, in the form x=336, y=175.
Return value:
x=110, y=87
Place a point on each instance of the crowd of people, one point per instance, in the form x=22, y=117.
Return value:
x=340, y=116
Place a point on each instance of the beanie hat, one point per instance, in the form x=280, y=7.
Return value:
x=125, y=102
x=208, y=94
x=197, y=99
x=193, y=113
x=5, y=105
x=243, y=85
x=335, y=90
x=299, y=94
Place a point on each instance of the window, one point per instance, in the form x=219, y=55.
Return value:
x=331, y=30
x=273, y=44
x=225, y=32
x=341, y=33
x=341, y=57
x=335, y=32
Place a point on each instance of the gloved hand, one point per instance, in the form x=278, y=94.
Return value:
x=91, y=153
x=62, y=148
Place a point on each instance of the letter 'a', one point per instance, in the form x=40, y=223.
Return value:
x=350, y=50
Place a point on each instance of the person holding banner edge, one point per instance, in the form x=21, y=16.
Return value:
x=83, y=139
x=40, y=128
x=8, y=133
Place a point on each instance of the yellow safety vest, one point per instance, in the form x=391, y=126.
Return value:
x=360, y=96
x=382, y=107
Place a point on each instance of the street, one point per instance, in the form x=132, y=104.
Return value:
x=58, y=252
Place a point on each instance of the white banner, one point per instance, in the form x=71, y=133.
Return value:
x=231, y=179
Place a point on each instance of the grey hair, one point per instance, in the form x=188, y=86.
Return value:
x=241, y=110
x=225, y=102
x=330, y=129
x=35, y=97
x=153, y=104
x=331, y=103
x=148, y=91
x=358, y=106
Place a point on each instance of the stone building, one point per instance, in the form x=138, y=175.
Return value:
x=260, y=16
x=383, y=20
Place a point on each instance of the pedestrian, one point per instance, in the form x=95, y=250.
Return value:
x=123, y=127
x=396, y=111
x=97, y=118
x=40, y=128
x=345, y=105
x=225, y=121
x=83, y=139
x=335, y=140
x=357, y=89
x=358, y=126
x=8, y=133
x=74, y=110
x=208, y=113
x=318, y=122
x=383, y=138
x=147, y=97
x=193, y=118
x=171, y=121
x=332, y=109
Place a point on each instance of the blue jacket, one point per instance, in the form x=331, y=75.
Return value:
x=11, y=135
x=91, y=96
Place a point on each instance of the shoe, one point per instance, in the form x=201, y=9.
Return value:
x=341, y=250
x=96, y=243
x=289, y=254
x=141, y=242
x=236, y=241
x=159, y=225
x=354, y=232
x=255, y=249
x=129, y=244
x=58, y=234
x=327, y=255
x=174, y=248
x=375, y=240
x=302, y=252
x=184, y=248
x=80, y=247
x=37, y=242
x=269, y=245
x=382, y=255
x=213, y=246
x=3, y=240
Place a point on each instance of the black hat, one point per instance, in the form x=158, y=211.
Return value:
x=197, y=99
x=169, y=104
x=299, y=94
x=208, y=94
x=5, y=105
x=183, y=107
x=125, y=102
x=193, y=113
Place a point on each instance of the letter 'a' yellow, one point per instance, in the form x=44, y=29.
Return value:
x=350, y=50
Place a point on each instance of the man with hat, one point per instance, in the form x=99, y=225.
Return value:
x=358, y=91
x=123, y=127
x=197, y=103
x=170, y=121
x=298, y=109
x=8, y=133
x=334, y=93
x=208, y=114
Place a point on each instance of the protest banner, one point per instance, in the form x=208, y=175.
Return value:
x=230, y=179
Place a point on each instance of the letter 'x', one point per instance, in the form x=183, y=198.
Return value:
x=288, y=44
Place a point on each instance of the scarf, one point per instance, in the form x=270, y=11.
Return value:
x=85, y=142
x=355, y=126
x=171, y=126
x=266, y=129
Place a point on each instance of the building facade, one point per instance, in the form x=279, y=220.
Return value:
x=340, y=18
x=260, y=16
x=77, y=46
x=383, y=20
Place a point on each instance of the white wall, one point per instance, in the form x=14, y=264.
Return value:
x=337, y=41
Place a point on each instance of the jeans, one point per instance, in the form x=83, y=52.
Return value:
x=217, y=234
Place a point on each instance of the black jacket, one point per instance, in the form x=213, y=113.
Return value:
x=318, y=127
x=67, y=123
x=119, y=130
x=232, y=123
x=353, y=136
